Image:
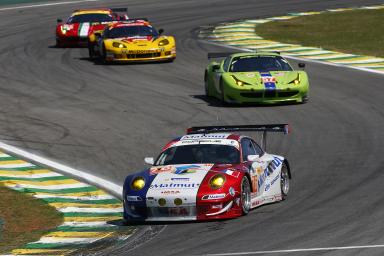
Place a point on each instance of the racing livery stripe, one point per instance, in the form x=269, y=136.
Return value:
x=268, y=81
x=86, y=209
x=84, y=29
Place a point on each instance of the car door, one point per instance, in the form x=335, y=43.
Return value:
x=219, y=72
x=258, y=169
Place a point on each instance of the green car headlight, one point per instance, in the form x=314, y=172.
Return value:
x=217, y=181
x=138, y=183
x=118, y=45
x=163, y=42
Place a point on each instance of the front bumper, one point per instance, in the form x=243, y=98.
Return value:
x=123, y=56
x=211, y=210
x=72, y=41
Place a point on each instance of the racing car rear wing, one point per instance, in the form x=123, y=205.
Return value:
x=264, y=128
x=216, y=55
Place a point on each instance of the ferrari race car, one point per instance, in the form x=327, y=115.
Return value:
x=209, y=173
x=131, y=41
x=75, y=31
x=256, y=77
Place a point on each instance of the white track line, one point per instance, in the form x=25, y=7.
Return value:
x=297, y=58
x=357, y=247
x=43, y=5
x=89, y=178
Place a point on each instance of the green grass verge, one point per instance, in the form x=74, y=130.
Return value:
x=25, y=219
x=356, y=31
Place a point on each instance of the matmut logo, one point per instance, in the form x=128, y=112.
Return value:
x=175, y=185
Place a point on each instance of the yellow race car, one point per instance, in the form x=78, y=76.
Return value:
x=134, y=40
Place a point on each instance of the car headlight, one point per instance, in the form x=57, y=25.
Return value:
x=118, y=45
x=296, y=81
x=63, y=30
x=239, y=82
x=217, y=181
x=163, y=42
x=138, y=183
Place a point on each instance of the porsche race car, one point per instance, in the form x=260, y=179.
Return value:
x=131, y=41
x=254, y=77
x=209, y=173
x=77, y=28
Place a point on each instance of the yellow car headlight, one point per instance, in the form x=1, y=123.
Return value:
x=138, y=183
x=118, y=45
x=296, y=81
x=163, y=42
x=239, y=82
x=217, y=181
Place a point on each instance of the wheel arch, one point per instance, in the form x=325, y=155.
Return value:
x=288, y=167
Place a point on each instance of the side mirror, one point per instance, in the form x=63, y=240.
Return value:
x=161, y=31
x=215, y=67
x=253, y=158
x=301, y=65
x=59, y=20
x=149, y=160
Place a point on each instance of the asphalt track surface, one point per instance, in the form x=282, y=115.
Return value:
x=106, y=119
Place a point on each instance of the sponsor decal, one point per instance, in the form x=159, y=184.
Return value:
x=268, y=80
x=213, y=196
x=271, y=167
x=180, y=170
x=268, y=186
x=232, y=173
x=250, y=75
x=180, y=179
x=134, y=199
x=175, y=185
x=171, y=192
x=204, y=136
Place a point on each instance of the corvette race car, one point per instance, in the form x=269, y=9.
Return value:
x=256, y=77
x=209, y=173
x=131, y=41
x=75, y=31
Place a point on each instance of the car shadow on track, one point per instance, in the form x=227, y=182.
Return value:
x=122, y=222
x=213, y=102
x=97, y=61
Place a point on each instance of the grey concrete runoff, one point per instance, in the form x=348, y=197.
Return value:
x=106, y=119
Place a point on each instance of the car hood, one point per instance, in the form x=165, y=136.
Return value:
x=273, y=76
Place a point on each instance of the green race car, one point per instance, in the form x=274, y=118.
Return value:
x=256, y=77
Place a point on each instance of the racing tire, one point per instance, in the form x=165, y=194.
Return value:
x=222, y=95
x=245, y=196
x=103, y=56
x=284, y=181
x=304, y=99
x=91, y=50
x=206, y=86
x=58, y=44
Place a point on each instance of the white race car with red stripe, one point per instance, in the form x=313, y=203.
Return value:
x=208, y=174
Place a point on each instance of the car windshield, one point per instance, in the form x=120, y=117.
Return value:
x=199, y=153
x=259, y=64
x=90, y=17
x=130, y=31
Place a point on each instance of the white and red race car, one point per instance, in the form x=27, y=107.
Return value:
x=210, y=173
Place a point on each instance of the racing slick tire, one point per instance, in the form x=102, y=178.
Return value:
x=222, y=95
x=103, y=56
x=304, y=99
x=284, y=181
x=245, y=196
x=91, y=50
x=206, y=87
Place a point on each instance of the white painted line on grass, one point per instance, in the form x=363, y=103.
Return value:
x=297, y=58
x=43, y=5
x=356, y=247
x=89, y=178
